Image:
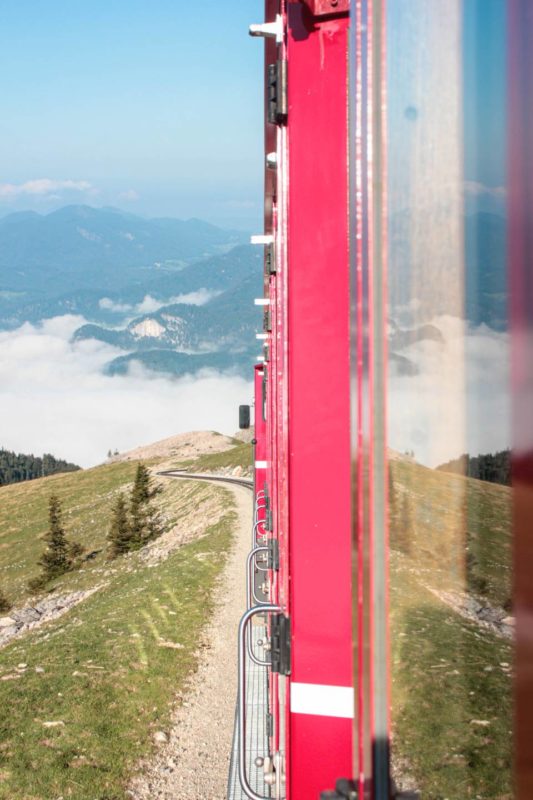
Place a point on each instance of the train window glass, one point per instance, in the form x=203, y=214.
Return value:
x=448, y=399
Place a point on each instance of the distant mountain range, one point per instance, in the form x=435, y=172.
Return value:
x=66, y=260
x=85, y=241
x=180, y=338
x=176, y=296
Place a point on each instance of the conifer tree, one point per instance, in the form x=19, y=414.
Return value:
x=146, y=523
x=120, y=532
x=55, y=559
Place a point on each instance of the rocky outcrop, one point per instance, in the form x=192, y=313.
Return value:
x=24, y=619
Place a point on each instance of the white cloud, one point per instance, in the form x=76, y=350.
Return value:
x=57, y=400
x=481, y=189
x=149, y=304
x=43, y=186
x=107, y=304
x=459, y=401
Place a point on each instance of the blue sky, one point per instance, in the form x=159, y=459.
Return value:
x=151, y=106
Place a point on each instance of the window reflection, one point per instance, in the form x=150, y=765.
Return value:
x=448, y=400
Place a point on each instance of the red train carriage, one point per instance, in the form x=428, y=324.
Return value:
x=382, y=611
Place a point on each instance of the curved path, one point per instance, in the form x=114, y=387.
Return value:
x=193, y=764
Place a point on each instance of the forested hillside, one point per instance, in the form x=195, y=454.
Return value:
x=492, y=467
x=16, y=467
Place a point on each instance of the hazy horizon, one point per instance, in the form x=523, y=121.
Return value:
x=149, y=108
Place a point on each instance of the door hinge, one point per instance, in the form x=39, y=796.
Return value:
x=267, y=324
x=273, y=555
x=280, y=637
x=277, y=110
x=270, y=260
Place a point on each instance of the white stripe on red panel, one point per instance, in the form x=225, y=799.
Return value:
x=322, y=701
x=261, y=464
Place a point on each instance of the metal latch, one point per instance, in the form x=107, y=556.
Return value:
x=280, y=637
x=277, y=93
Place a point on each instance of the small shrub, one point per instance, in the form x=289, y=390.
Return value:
x=5, y=605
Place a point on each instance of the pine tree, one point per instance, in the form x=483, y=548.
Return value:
x=120, y=533
x=55, y=560
x=146, y=523
x=5, y=605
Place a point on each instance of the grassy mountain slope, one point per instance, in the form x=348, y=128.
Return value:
x=106, y=672
x=451, y=687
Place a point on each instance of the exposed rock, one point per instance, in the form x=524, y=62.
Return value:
x=30, y=617
x=26, y=615
x=160, y=737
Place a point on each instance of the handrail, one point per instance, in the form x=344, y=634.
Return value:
x=250, y=592
x=241, y=713
x=257, y=508
x=255, y=535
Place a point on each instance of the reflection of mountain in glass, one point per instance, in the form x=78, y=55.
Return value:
x=486, y=276
x=413, y=279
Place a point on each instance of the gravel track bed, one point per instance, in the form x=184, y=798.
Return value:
x=193, y=764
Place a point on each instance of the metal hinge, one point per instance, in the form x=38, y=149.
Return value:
x=264, y=392
x=277, y=108
x=267, y=325
x=270, y=260
x=273, y=555
x=280, y=638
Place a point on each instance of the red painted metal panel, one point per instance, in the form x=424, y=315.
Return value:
x=319, y=408
x=321, y=769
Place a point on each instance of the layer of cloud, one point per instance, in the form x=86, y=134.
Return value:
x=459, y=401
x=149, y=304
x=55, y=398
x=43, y=186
